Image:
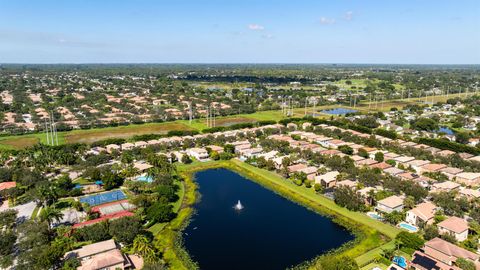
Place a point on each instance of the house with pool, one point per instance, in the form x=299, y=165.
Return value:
x=440, y=254
x=390, y=204
x=422, y=214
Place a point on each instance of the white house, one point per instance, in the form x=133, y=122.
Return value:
x=198, y=153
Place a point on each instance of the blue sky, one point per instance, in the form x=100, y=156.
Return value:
x=240, y=31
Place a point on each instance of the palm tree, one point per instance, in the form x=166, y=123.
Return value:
x=142, y=246
x=50, y=214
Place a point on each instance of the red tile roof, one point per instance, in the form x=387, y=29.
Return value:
x=7, y=185
x=113, y=216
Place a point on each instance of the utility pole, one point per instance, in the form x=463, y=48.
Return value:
x=190, y=112
x=206, y=116
x=51, y=128
x=213, y=116
x=306, y=99
x=46, y=129
x=56, y=133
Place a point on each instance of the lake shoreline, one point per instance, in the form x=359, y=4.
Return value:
x=367, y=238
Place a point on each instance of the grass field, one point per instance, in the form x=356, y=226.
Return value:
x=92, y=135
x=17, y=142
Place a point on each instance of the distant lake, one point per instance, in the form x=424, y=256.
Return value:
x=339, y=111
x=271, y=232
x=445, y=130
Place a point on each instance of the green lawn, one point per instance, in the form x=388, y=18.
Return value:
x=156, y=228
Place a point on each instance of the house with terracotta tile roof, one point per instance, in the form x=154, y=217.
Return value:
x=421, y=261
x=390, y=204
x=393, y=171
x=331, y=152
x=447, y=252
x=7, y=185
x=432, y=167
x=458, y=227
x=356, y=158
x=296, y=167
x=416, y=164
x=465, y=155
x=422, y=214
x=142, y=166
x=403, y=159
x=468, y=178
x=310, y=171
x=451, y=172
x=366, y=162
x=446, y=186
x=102, y=255
x=127, y=146
x=347, y=183
x=381, y=165
x=327, y=180
x=112, y=147
x=470, y=194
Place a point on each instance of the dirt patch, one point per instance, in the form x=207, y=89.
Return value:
x=225, y=122
x=89, y=136
x=19, y=143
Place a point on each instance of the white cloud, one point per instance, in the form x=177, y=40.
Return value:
x=325, y=20
x=255, y=27
x=348, y=15
x=267, y=36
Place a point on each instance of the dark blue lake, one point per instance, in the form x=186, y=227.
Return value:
x=271, y=232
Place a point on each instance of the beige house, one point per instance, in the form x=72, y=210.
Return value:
x=471, y=194
x=446, y=186
x=198, y=153
x=103, y=255
x=422, y=214
x=432, y=167
x=327, y=180
x=468, y=178
x=458, y=227
x=447, y=252
x=390, y=204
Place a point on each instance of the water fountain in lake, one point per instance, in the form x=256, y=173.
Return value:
x=238, y=206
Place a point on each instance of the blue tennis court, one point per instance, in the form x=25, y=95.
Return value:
x=104, y=198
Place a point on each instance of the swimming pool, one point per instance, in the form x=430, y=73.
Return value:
x=145, y=178
x=374, y=215
x=400, y=261
x=408, y=227
x=339, y=111
x=102, y=198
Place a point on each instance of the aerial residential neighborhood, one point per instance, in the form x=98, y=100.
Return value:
x=240, y=135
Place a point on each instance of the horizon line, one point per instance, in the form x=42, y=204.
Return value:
x=233, y=63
